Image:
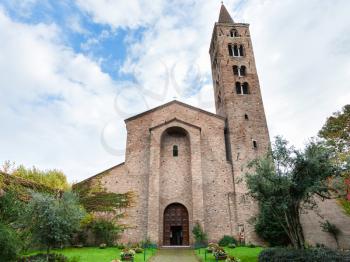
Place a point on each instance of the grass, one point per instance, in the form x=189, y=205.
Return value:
x=245, y=254
x=95, y=254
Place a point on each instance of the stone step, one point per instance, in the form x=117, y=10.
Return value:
x=175, y=247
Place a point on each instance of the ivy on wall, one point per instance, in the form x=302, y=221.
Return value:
x=94, y=197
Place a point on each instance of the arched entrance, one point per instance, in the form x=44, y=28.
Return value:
x=176, y=225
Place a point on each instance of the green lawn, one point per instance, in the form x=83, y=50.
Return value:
x=245, y=254
x=95, y=254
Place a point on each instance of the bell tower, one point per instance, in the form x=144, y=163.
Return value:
x=238, y=99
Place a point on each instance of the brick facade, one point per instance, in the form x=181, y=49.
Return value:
x=213, y=151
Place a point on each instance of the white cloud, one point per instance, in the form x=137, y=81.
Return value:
x=302, y=57
x=302, y=54
x=122, y=13
x=57, y=104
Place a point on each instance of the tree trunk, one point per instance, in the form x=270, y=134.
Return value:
x=292, y=217
x=47, y=253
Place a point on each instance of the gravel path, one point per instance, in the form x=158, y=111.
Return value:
x=174, y=255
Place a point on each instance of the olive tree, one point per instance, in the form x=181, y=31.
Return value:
x=288, y=180
x=52, y=220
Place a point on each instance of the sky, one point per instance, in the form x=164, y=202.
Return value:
x=72, y=71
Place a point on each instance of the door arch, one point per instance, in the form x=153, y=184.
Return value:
x=176, y=225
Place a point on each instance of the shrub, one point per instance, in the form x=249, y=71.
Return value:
x=251, y=245
x=231, y=245
x=105, y=231
x=127, y=253
x=121, y=247
x=302, y=255
x=211, y=247
x=52, y=221
x=138, y=250
x=147, y=243
x=44, y=257
x=9, y=243
x=232, y=259
x=226, y=240
x=199, y=235
x=219, y=252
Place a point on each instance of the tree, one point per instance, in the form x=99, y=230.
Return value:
x=336, y=133
x=51, y=178
x=11, y=208
x=287, y=180
x=9, y=243
x=270, y=229
x=52, y=221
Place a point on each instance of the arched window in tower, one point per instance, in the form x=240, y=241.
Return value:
x=242, y=71
x=219, y=98
x=230, y=50
x=255, y=144
x=234, y=33
x=242, y=89
x=238, y=88
x=235, y=70
x=245, y=88
x=175, y=150
x=241, y=50
x=235, y=50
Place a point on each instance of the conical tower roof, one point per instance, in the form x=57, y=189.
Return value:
x=224, y=16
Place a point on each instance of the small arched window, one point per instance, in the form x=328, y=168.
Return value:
x=242, y=71
x=246, y=117
x=245, y=88
x=235, y=70
x=238, y=88
x=242, y=89
x=241, y=50
x=175, y=150
x=235, y=50
x=230, y=50
x=234, y=33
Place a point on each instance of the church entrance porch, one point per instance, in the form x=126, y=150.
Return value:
x=176, y=226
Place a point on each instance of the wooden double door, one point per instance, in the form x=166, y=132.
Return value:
x=176, y=225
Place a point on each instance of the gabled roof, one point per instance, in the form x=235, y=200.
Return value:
x=174, y=120
x=225, y=16
x=99, y=174
x=170, y=103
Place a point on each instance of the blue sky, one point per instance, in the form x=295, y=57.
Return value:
x=72, y=71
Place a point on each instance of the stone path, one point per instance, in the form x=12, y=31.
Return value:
x=174, y=255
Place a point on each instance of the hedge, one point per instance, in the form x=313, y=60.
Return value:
x=306, y=255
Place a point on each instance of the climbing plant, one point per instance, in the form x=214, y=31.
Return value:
x=95, y=198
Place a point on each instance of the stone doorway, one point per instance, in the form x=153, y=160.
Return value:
x=176, y=225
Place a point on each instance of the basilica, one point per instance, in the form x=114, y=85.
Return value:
x=187, y=165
